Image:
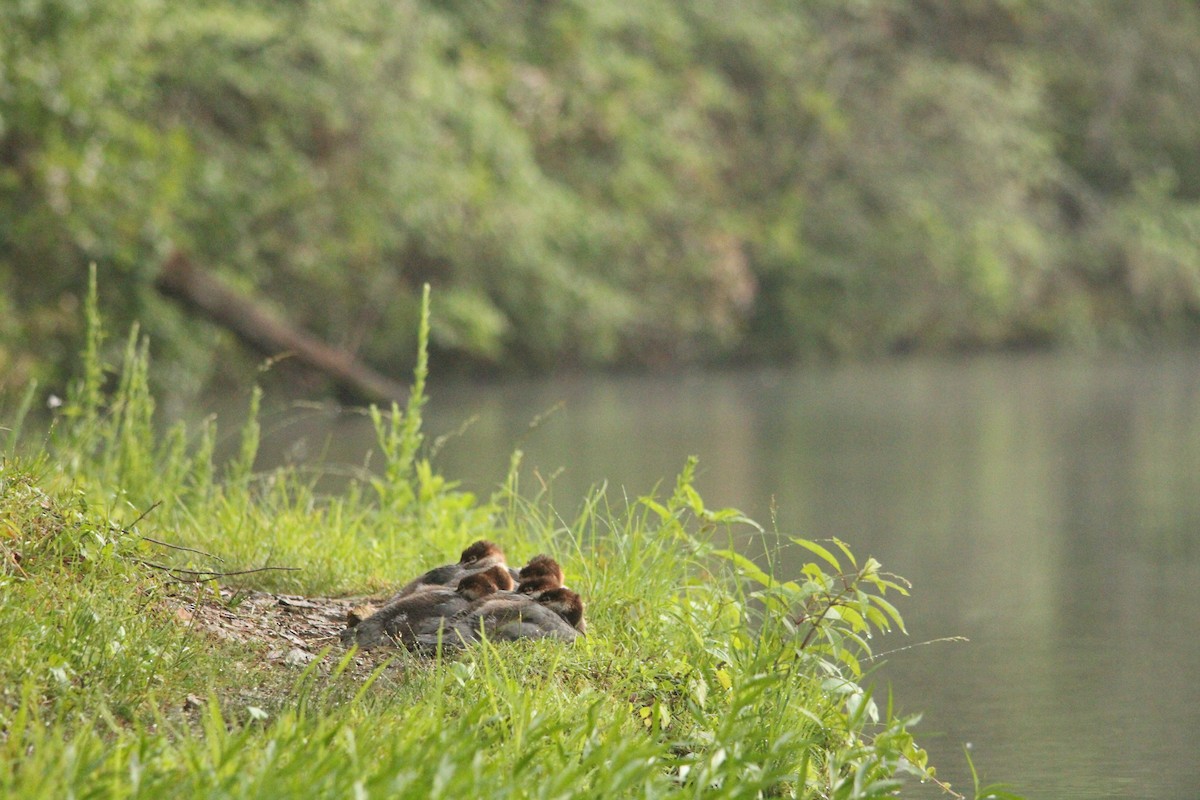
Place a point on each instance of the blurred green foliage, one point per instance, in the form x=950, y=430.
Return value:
x=602, y=183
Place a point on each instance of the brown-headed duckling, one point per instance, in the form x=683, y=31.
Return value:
x=541, y=574
x=403, y=618
x=567, y=604
x=542, y=566
x=478, y=557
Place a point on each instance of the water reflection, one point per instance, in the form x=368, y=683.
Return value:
x=1045, y=507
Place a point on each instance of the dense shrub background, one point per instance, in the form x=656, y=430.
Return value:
x=602, y=183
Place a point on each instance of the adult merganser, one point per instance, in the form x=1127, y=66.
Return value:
x=403, y=618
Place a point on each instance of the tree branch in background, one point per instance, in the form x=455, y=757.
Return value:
x=201, y=292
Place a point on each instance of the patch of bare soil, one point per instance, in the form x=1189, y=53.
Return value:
x=290, y=630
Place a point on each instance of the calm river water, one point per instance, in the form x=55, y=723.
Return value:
x=1045, y=507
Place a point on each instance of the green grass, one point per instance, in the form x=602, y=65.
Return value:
x=701, y=674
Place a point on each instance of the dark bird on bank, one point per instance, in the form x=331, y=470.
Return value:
x=540, y=574
x=556, y=613
x=480, y=556
x=427, y=607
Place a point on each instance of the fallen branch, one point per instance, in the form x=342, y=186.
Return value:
x=261, y=330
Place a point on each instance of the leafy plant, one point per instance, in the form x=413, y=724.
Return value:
x=702, y=675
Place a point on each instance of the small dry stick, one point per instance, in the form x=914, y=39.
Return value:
x=126, y=530
x=184, y=549
x=16, y=562
x=141, y=516
x=211, y=574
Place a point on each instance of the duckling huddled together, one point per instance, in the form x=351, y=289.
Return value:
x=480, y=596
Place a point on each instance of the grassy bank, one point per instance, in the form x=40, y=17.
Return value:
x=701, y=675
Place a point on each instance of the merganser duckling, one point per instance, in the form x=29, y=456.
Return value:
x=556, y=613
x=567, y=604
x=540, y=574
x=533, y=588
x=403, y=618
x=478, y=557
x=481, y=584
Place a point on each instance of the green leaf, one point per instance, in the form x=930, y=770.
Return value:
x=890, y=610
x=877, y=618
x=820, y=551
x=748, y=567
x=693, y=500
x=849, y=659
x=657, y=508
x=729, y=516
x=884, y=585
x=862, y=643
x=852, y=616
x=845, y=549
